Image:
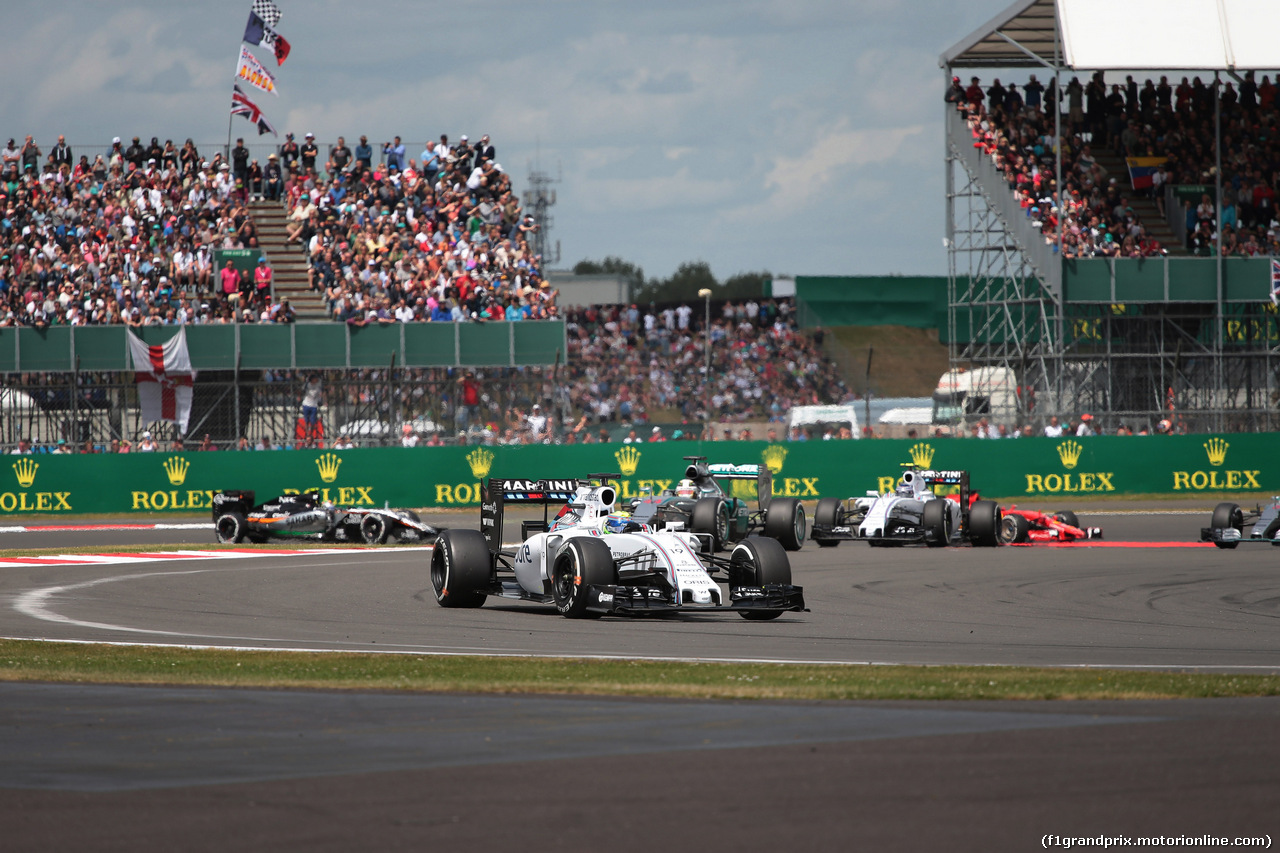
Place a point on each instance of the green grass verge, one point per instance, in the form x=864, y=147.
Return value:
x=34, y=661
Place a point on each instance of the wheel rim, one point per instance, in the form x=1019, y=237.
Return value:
x=439, y=573
x=564, y=582
x=801, y=525
x=226, y=529
x=372, y=528
x=722, y=526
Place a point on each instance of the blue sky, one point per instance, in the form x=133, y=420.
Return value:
x=799, y=136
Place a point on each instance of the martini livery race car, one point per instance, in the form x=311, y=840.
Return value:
x=305, y=516
x=1226, y=528
x=911, y=514
x=702, y=505
x=590, y=560
x=1025, y=526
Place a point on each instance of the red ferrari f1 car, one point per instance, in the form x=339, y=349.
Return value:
x=1026, y=526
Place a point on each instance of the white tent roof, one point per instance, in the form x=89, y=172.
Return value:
x=1153, y=35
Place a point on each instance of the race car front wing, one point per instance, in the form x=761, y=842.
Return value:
x=642, y=600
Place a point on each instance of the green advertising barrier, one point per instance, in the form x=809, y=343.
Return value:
x=1053, y=471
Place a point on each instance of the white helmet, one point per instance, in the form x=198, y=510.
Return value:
x=686, y=488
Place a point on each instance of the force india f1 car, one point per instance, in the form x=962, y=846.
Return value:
x=911, y=514
x=1226, y=527
x=305, y=516
x=700, y=504
x=591, y=560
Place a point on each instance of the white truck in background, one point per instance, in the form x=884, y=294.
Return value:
x=965, y=396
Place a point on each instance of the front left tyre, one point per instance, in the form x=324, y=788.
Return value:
x=785, y=521
x=374, y=530
x=758, y=562
x=826, y=514
x=581, y=564
x=461, y=566
x=230, y=528
x=1226, y=515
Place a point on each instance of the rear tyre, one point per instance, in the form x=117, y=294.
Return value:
x=984, y=523
x=758, y=561
x=582, y=563
x=1226, y=515
x=785, y=521
x=230, y=528
x=460, y=568
x=1066, y=516
x=1014, y=530
x=374, y=530
x=936, y=521
x=710, y=518
x=826, y=514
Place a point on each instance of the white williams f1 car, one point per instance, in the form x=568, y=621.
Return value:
x=591, y=560
x=911, y=514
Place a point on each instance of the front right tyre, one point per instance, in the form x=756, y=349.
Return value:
x=584, y=562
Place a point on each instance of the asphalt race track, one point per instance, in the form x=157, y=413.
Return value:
x=112, y=768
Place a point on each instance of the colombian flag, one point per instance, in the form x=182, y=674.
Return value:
x=1141, y=169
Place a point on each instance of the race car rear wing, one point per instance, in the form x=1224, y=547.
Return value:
x=950, y=478
x=499, y=492
x=699, y=471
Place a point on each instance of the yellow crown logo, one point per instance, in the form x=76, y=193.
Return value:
x=628, y=460
x=921, y=455
x=1069, y=452
x=773, y=457
x=480, y=460
x=327, y=465
x=26, y=471
x=1217, y=450
x=176, y=467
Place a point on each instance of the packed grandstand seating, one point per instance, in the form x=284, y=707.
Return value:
x=128, y=237
x=1014, y=124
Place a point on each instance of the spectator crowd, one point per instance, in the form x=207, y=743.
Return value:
x=129, y=236
x=1093, y=215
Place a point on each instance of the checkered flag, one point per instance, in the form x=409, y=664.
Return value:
x=267, y=11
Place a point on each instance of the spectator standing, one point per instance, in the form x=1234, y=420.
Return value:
x=147, y=444
x=339, y=158
x=273, y=178
x=364, y=155
x=240, y=161
x=289, y=154
x=308, y=154
x=393, y=152
x=312, y=398
x=1053, y=429
x=30, y=155
x=61, y=153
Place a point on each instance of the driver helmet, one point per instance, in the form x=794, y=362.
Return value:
x=905, y=489
x=686, y=488
x=617, y=521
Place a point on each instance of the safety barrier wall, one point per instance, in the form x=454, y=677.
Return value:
x=293, y=346
x=1051, y=471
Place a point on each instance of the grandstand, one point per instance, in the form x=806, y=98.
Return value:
x=1097, y=307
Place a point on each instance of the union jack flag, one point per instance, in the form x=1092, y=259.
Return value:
x=242, y=106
